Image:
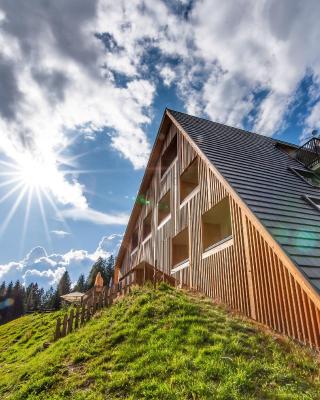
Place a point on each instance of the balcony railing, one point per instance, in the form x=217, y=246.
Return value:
x=309, y=154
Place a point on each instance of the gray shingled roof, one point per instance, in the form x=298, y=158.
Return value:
x=259, y=172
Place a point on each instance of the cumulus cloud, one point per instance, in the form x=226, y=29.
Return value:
x=56, y=80
x=96, y=217
x=168, y=75
x=110, y=244
x=242, y=49
x=235, y=60
x=86, y=67
x=60, y=233
x=47, y=269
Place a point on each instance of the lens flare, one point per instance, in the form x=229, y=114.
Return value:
x=6, y=303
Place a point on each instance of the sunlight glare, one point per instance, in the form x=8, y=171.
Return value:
x=38, y=176
x=33, y=173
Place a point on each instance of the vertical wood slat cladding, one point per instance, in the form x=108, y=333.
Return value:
x=248, y=274
x=280, y=301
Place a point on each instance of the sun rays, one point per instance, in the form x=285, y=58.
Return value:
x=36, y=182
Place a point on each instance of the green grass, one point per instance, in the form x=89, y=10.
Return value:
x=160, y=344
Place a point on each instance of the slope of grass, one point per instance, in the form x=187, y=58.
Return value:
x=160, y=344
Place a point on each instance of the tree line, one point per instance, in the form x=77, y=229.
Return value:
x=17, y=300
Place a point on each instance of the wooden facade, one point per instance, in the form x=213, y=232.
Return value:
x=247, y=270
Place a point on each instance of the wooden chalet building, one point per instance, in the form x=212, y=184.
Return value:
x=234, y=215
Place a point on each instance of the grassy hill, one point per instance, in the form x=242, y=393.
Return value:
x=161, y=344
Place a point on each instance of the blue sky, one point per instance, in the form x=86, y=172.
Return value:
x=83, y=86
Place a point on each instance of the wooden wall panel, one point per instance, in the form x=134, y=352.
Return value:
x=247, y=274
x=281, y=303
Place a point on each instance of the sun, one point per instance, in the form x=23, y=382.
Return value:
x=33, y=174
x=26, y=179
x=41, y=179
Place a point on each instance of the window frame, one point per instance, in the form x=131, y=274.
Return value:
x=146, y=236
x=168, y=216
x=185, y=262
x=196, y=188
x=163, y=172
x=296, y=172
x=135, y=232
x=223, y=240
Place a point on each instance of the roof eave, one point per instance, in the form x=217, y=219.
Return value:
x=148, y=174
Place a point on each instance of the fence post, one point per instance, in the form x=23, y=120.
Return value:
x=102, y=298
x=70, y=321
x=83, y=314
x=93, y=297
x=64, y=325
x=76, y=323
x=57, y=332
x=88, y=313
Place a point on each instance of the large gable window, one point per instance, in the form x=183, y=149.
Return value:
x=169, y=155
x=180, y=248
x=189, y=180
x=164, y=208
x=146, y=229
x=216, y=225
x=310, y=177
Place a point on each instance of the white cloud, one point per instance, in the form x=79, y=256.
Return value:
x=46, y=269
x=226, y=53
x=312, y=121
x=110, y=244
x=58, y=67
x=168, y=75
x=245, y=47
x=60, y=233
x=45, y=278
x=96, y=217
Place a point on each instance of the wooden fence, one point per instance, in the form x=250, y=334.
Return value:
x=77, y=316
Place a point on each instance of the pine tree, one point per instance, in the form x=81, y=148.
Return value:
x=48, y=299
x=41, y=294
x=18, y=294
x=2, y=302
x=9, y=290
x=33, y=297
x=99, y=266
x=109, y=269
x=7, y=311
x=56, y=300
x=3, y=289
x=28, y=297
x=64, y=285
x=80, y=285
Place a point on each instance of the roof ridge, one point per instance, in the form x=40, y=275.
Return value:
x=233, y=127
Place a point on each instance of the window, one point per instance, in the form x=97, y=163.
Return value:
x=169, y=155
x=180, y=247
x=310, y=177
x=189, y=180
x=164, y=207
x=315, y=201
x=146, y=229
x=216, y=224
x=134, y=239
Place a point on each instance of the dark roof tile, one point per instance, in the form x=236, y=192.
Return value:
x=260, y=173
